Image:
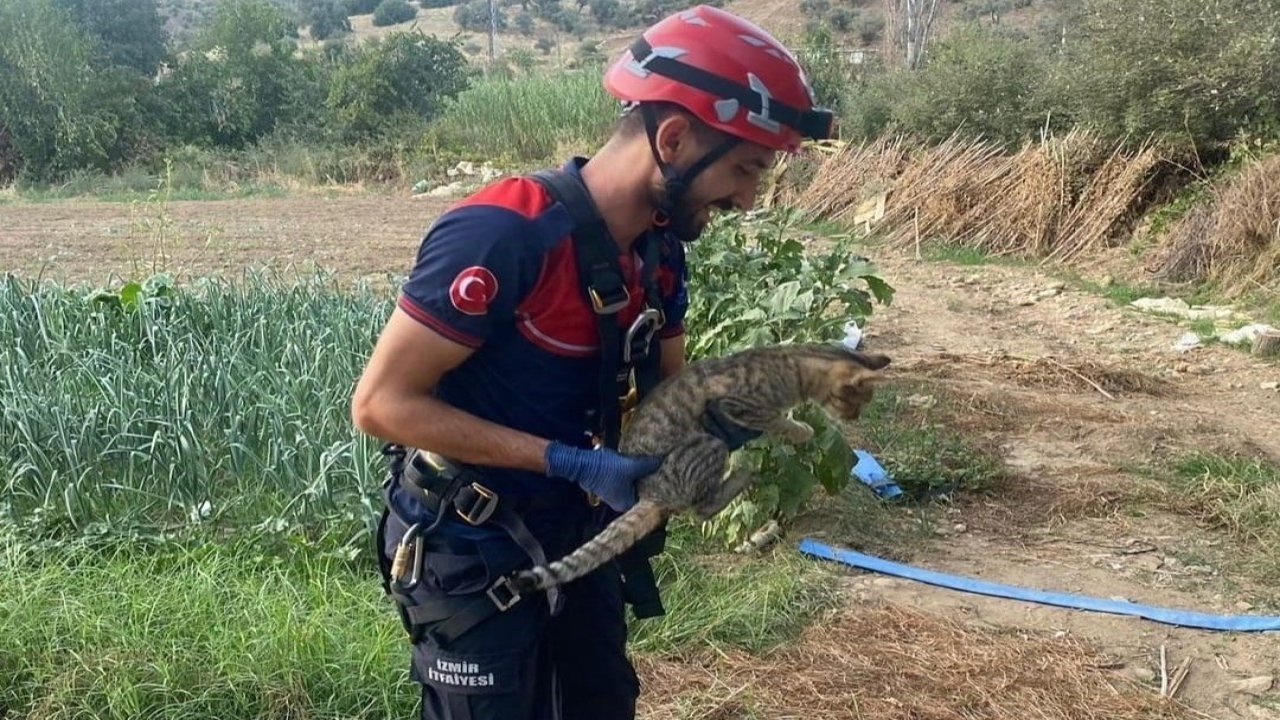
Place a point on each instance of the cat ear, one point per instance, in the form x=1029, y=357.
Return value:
x=871, y=361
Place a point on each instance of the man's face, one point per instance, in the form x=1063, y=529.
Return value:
x=732, y=182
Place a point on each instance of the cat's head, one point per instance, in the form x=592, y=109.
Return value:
x=850, y=381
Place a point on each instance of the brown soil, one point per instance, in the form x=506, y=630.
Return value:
x=95, y=242
x=1074, y=392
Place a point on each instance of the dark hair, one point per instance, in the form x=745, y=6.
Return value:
x=631, y=122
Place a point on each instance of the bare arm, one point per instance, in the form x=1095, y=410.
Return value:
x=672, y=355
x=395, y=401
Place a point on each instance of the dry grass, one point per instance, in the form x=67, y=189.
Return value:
x=1232, y=241
x=891, y=663
x=1045, y=373
x=1057, y=199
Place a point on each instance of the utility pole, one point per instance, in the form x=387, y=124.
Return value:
x=493, y=29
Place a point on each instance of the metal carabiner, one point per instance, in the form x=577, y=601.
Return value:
x=398, y=566
x=648, y=321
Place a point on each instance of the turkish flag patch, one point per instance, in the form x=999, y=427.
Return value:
x=473, y=289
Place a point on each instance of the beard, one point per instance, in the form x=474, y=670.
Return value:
x=688, y=219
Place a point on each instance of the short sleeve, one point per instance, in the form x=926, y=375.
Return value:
x=474, y=266
x=672, y=282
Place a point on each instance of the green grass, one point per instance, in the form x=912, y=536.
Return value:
x=274, y=167
x=243, y=629
x=206, y=631
x=126, y=416
x=922, y=452
x=956, y=254
x=1205, y=328
x=533, y=118
x=1238, y=495
x=720, y=599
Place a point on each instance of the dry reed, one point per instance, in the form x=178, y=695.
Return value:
x=1056, y=199
x=1233, y=241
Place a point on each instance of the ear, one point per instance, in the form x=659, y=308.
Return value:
x=872, y=361
x=674, y=138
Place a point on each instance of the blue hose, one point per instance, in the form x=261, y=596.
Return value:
x=1202, y=621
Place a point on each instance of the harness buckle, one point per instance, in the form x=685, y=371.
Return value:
x=481, y=508
x=608, y=307
x=513, y=596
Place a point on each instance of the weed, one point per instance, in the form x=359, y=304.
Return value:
x=1205, y=328
x=252, y=627
x=922, y=453
x=1238, y=494
x=955, y=254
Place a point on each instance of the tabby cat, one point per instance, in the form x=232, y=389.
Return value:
x=754, y=389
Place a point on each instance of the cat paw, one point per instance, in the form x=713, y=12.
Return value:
x=799, y=432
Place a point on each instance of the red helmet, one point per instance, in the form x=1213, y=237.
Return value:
x=728, y=72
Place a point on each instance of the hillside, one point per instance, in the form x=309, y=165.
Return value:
x=854, y=24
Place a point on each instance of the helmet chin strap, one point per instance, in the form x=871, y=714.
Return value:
x=676, y=183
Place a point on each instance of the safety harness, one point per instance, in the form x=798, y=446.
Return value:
x=629, y=369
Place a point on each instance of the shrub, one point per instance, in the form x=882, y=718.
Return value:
x=524, y=23
x=474, y=16
x=754, y=284
x=327, y=18
x=980, y=81
x=404, y=76
x=392, y=12
x=1178, y=69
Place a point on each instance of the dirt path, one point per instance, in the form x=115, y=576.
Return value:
x=1065, y=529
x=975, y=330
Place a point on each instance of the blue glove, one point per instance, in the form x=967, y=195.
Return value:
x=603, y=472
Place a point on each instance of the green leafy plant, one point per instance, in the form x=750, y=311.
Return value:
x=754, y=284
x=155, y=291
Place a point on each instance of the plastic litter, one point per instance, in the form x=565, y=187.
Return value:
x=869, y=472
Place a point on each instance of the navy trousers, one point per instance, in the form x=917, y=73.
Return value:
x=524, y=663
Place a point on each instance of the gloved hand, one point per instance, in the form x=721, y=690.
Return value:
x=603, y=472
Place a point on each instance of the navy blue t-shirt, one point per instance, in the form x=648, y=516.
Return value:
x=497, y=272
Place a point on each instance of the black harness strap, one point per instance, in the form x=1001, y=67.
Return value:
x=637, y=354
x=457, y=488
x=604, y=288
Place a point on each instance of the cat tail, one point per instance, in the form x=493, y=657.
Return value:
x=619, y=536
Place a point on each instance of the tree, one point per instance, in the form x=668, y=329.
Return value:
x=404, y=77
x=910, y=22
x=610, y=13
x=474, y=16
x=392, y=12
x=327, y=18
x=1182, y=69
x=129, y=33
x=240, y=79
x=58, y=112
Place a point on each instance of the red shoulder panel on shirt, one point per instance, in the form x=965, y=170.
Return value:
x=520, y=194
